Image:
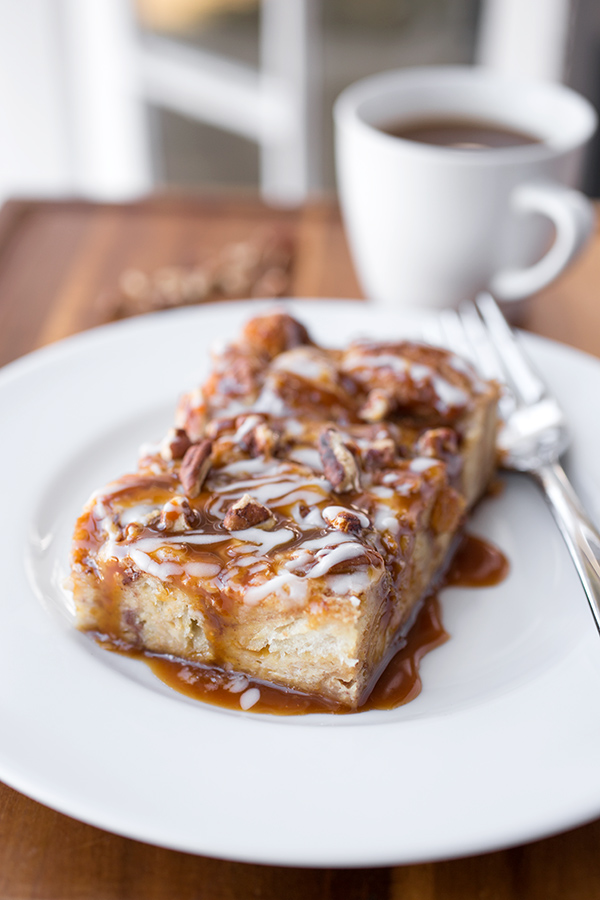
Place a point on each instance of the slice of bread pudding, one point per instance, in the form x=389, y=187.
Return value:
x=291, y=523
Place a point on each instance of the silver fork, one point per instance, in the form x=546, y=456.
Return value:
x=534, y=434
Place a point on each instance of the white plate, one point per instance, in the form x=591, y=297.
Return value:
x=501, y=747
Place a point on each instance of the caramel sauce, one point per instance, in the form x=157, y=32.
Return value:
x=476, y=563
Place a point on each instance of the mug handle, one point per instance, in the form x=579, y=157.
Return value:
x=574, y=219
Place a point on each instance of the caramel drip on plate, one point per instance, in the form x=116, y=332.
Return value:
x=476, y=563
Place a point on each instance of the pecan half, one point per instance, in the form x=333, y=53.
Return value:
x=247, y=513
x=194, y=468
x=339, y=465
x=177, y=515
x=175, y=444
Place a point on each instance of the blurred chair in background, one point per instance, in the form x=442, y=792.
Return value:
x=81, y=77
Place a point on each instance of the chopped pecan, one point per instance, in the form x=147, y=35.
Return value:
x=194, y=468
x=378, y=406
x=339, y=465
x=380, y=454
x=177, y=515
x=343, y=519
x=247, y=513
x=216, y=427
x=259, y=439
x=442, y=444
x=273, y=333
x=437, y=443
x=191, y=414
x=175, y=444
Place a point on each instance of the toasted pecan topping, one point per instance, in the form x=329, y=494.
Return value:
x=217, y=426
x=247, y=513
x=261, y=439
x=272, y=334
x=437, y=443
x=380, y=454
x=175, y=444
x=378, y=406
x=344, y=520
x=339, y=465
x=191, y=414
x=194, y=468
x=177, y=515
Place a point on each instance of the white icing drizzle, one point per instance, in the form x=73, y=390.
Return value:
x=238, y=487
x=312, y=519
x=202, y=570
x=350, y=582
x=449, y=394
x=237, y=683
x=422, y=463
x=298, y=562
x=378, y=361
x=260, y=566
x=307, y=362
x=303, y=496
x=149, y=544
x=330, y=512
x=246, y=426
x=259, y=540
x=248, y=466
x=403, y=488
x=285, y=584
x=293, y=427
x=420, y=372
x=330, y=558
x=250, y=698
x=381, y=491
x=146, y=564
x=385, y=520
x=270, y=402
x=330, y=539
x=307, y=456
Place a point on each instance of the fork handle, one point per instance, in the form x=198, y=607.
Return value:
x=580, y=535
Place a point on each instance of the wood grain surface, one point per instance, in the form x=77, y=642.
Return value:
x=58, y=263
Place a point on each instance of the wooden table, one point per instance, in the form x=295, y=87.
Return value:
x=56, y=261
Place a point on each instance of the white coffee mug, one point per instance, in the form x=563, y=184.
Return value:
x=434, y=225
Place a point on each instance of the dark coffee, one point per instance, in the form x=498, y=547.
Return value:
x=460, y=134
